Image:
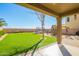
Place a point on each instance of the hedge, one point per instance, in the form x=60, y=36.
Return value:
x=2, y=32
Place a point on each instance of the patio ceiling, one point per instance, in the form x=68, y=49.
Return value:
x=54, y=9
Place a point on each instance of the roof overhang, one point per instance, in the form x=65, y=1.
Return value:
x=54, y=9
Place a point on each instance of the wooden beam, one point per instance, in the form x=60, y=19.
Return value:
x=74, y=11
x=40, y=8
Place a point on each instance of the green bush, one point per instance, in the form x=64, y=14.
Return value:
x=2, y=32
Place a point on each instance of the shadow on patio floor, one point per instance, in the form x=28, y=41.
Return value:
x=64, y=51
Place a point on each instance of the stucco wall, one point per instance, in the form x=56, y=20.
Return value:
x=70, y=31
x=73, y=24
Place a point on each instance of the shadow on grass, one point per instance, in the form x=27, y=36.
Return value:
x=32, y=48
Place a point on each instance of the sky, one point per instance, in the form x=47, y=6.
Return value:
x=20, y=17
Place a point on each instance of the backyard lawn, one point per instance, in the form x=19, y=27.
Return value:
x=16, y=43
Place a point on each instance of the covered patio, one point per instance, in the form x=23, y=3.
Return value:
x=58, y=10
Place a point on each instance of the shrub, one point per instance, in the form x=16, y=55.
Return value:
x=2, y=32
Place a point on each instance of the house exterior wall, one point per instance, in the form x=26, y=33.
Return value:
x=73, y=24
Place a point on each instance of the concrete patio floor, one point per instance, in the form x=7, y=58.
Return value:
x=70, y=40
x=72, y=44
x=52, y=50
x=70, y=47
x=73, y=50
x=55, y=50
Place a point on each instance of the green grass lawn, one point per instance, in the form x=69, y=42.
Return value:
x=17, y=42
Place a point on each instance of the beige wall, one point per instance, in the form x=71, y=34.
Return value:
x=73, y=24
x=70, y=32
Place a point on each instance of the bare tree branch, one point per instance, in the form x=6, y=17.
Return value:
x=41, y=17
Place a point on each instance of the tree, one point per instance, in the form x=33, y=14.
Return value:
x=41, y=17
x=2, y=22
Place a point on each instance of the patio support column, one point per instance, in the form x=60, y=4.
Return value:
x=59, y=29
